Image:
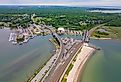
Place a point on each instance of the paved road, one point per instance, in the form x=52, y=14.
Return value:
x=93, y=29
x=60, y=65
x=60, y=54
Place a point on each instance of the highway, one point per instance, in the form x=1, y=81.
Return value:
x=62, y=61
x=61, y=64
x=37, y=78
x=93, y=29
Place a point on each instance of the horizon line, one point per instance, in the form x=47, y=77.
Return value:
x=60, y=5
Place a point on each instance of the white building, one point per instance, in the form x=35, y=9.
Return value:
x=61, y=30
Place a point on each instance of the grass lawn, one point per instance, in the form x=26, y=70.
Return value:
x=114, y=33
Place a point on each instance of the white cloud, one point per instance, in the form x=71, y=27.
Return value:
x=65, y=2
x=99, y=3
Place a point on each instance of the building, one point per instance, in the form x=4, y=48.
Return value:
x=61, y=30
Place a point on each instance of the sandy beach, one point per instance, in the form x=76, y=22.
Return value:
x=101, y=38
x=82, y=57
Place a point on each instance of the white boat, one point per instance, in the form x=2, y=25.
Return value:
x=14, y=42
x=11, y=37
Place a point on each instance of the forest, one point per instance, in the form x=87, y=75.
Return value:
x=74, y=18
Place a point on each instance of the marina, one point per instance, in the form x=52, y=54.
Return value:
x=43, y=43
x=19, y=62
x=36, y=41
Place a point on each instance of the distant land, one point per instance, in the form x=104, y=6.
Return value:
x=49, y=41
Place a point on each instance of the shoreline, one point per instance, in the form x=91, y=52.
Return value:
x=101, y=38
x=79, y=77
x=105, y=38
x=45, y=65
x=79, y=64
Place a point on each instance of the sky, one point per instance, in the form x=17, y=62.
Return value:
x=63, y=2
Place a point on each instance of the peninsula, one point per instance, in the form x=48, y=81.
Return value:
x=70, y=30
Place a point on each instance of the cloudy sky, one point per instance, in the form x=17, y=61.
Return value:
x=64, y=2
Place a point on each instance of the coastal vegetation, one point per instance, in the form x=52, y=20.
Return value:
x=107, y=32
x=64, y=79
x=69, y=18
x=115, y=32
x=115, y=22
x=74, y=18
x=67, y=72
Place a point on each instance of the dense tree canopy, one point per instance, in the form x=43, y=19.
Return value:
x=77, y=18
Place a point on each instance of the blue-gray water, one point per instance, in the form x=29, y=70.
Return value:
x=18, y=62
x=105, y=65
x=107, y=11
